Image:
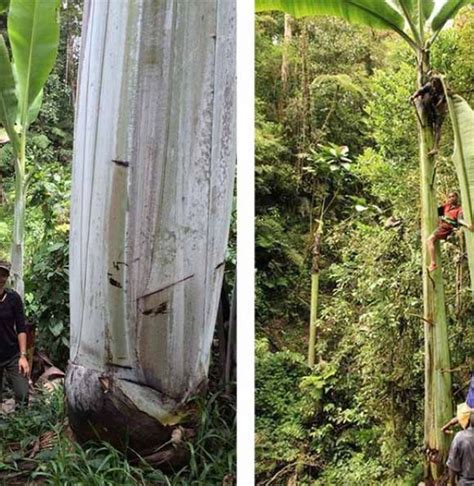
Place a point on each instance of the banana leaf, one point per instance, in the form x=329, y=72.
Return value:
x=33, y=29
x=377, y=14
x=447, y=11
x=8, y=99
x=462, y=119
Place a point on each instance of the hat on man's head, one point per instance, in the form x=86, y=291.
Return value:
x=463, y=414
x=5, y=265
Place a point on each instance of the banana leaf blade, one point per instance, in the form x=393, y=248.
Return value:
x=33, y=29
x=8, y=99
x=373, y=13
x=447, y=11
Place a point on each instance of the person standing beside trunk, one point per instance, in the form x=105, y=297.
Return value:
x=461, y=457
x=13, y=361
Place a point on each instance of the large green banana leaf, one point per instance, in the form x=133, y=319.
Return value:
x=8, y=99
x=462, y=119
x=378, y=14
x=447, y=11
x=33, y=29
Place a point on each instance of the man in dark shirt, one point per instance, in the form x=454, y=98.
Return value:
x=461, y=457
x=13, y=359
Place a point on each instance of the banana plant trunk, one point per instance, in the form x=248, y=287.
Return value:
x=19, y=224
x=438, y=403
x=153, y=173
x=314, y=293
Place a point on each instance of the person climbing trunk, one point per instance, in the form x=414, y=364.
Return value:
x=450, y=219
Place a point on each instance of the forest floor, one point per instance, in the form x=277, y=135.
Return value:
x=37, y=447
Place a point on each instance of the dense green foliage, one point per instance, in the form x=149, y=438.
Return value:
x=366, y=421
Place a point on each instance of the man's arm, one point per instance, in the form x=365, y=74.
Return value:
x=424, y=89
x=23, y=365
x=449, y=424
x=470, y=227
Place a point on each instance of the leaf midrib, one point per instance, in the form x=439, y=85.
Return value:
x=24, y=111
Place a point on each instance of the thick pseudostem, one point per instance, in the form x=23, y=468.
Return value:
x=99, y=410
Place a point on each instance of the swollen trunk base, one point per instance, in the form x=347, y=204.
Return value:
x=102, y=407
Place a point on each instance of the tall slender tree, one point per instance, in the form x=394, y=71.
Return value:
x=419, y=24
x=285, y=62
x=315, y=262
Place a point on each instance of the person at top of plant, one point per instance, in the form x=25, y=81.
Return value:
x=433, y=99
x=450, y=218
x=13, y=359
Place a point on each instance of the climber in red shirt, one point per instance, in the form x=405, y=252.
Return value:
x=450, y=219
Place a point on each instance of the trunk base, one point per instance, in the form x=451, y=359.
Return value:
x=133, y=418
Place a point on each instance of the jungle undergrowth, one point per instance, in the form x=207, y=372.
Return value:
x=36, y=447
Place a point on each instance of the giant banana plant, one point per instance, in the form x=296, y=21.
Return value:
x=33, y=32
x=153, y=168
x=419, y=23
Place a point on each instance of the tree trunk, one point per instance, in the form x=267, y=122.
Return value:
x=18, y=243
x=305, y=93
x=152, y=187
x=438, y=400
x=314, y=293
x=285, y=64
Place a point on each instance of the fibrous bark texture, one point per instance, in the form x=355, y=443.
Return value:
x=153, y=175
